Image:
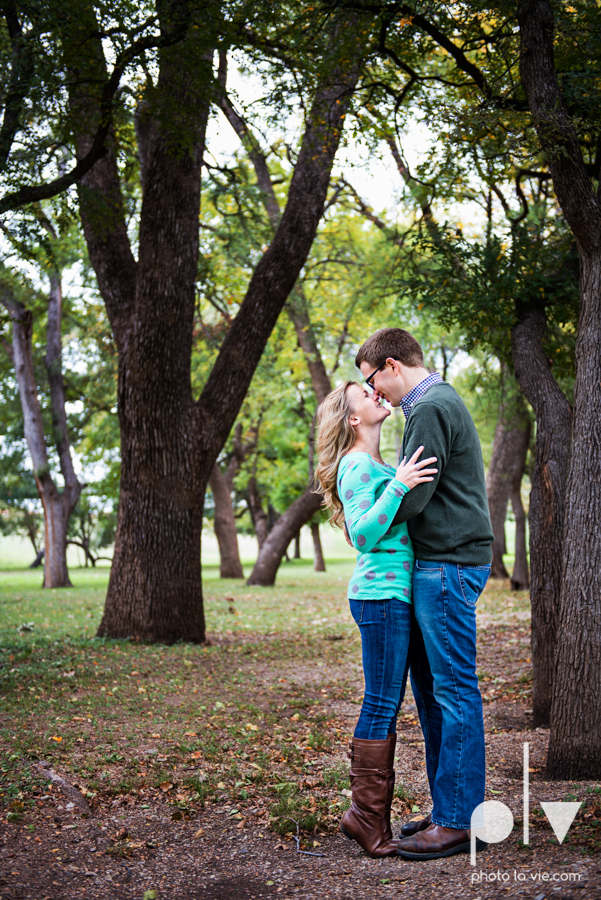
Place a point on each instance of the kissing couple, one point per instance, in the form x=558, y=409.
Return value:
x=423, y=534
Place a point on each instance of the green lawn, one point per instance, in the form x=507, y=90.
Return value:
x=265, y=693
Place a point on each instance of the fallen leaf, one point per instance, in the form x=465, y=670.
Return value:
x=250, y=727
x=150, y=895
x=190, y=734
x=55, y=738
x=166, y=785
x=200, y=832
x=196, y=755
x=221, y=786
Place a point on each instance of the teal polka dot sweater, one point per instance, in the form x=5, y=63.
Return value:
x=371, y=497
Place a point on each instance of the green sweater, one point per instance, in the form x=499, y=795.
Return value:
x=371, y=496
x=448, y=517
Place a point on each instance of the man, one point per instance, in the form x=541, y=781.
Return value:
x=449, y=525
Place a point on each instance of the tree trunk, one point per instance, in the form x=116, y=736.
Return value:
x=272, y=552
x=319, y=564
x=575, y=740
x=155, y=592
x=225, y=526
x=520, y=578
x=497, y=489
x=506, y=466
x=58, y=505
x=297, y=538
x=553, y=431
x=257, y=513
x=170, y=444
x=38, y=560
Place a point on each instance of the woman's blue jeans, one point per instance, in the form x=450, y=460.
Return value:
x=385, y=627
x=445, y=686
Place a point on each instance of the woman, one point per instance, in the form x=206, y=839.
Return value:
x=363, y=494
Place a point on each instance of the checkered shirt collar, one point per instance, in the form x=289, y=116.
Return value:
x=418, y=391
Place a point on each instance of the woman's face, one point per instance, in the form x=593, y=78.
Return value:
x=365, y=406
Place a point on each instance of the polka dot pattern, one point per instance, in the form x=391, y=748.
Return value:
x=362, y=484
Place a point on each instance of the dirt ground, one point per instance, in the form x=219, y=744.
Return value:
x=169, y=840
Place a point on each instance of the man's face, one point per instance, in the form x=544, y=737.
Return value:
x=388, y=382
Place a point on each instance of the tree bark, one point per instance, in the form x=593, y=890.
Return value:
x=58, y=505
x=506, y=468
x=38, y=560
x=297, y=552
x=222, y=485
x=225, y=526
x=258, y=515
x=272, y=551
x=319, y=564
x=169, y=442
x=520, y=577
x=575, y=740
x=497, y=489
x=553, y=434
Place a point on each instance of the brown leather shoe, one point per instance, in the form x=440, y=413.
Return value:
x=436, y=841
x=368, y=819
x=411, y=828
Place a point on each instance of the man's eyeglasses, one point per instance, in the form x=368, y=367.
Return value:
x=369, y=380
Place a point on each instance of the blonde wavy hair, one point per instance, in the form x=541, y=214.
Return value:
x=335, y=437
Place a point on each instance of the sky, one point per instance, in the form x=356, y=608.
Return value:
x=373, y=175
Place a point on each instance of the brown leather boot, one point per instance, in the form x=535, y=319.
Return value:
x=390, y=781
x=365, y=821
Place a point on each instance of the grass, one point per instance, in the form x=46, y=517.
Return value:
x=250, y=722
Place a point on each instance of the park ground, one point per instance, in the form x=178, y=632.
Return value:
x=199, y=763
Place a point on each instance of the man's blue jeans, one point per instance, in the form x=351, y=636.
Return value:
x=445, y=686
x=385, y=627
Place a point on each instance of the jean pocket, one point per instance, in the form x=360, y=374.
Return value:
x=426, y=566
x=472, y=580
x=357, y=610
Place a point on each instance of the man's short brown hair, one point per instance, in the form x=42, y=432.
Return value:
x=390, y=342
